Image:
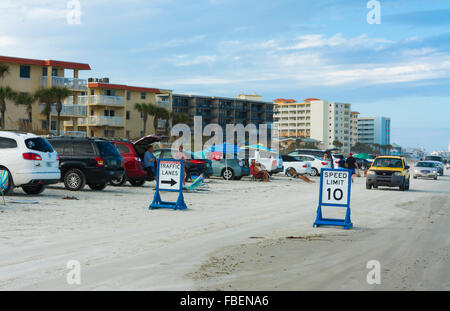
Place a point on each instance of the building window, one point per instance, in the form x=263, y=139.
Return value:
x=128, y=95
x=44, y=124
x=25, y=72
x=92, y=92
x=53, y=125
x=128, y=115
x=44, y=71
x=143, y=95
x=110, y=92
x=128, y=134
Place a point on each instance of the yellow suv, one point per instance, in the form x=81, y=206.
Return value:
x=390, y=171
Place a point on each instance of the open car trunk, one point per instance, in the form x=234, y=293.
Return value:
x=142, y=144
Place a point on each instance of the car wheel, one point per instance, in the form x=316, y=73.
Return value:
x=98, y=187
x=403, y=186
x=415, y=177
x=368, y=186
x=33, y=189
x=228, y=174
x=137, y=182
x=435, y=178
x=407, y=185
x=74, y=180
x=314, y=172
x=8, y=184
x=119, y=181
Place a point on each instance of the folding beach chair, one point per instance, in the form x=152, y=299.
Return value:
x=4, y=183
x=196, y=185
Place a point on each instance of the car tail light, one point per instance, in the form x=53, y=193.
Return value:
x=99, y=161
x=325, y=163
x=197, y=162
x=32, y=156
x=305, y=166
x=57, y=157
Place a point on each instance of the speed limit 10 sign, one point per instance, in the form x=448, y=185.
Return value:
x=335, y=190
x=335, y=187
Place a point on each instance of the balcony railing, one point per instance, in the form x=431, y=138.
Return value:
x=68, y=110
x=163, y=104
x=101, y=121
x=70, y=83
x=70, y=133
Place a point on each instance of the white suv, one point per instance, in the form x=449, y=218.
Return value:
x=31, y=161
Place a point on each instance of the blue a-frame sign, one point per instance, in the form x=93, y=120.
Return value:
x=337, y=184
x=166, y=168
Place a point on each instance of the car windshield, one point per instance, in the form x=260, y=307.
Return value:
x=107, y=148
x=433, y=158
x=38, y=144
x=388, y=162
x=425, y=164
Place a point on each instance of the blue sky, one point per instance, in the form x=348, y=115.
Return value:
x=285, y=48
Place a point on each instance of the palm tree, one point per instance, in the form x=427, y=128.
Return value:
x=337, y=143
x=179, y=118
x=60, y=95
x=27, y=100
x=5, y=93
x=143, y=108
x=158, y=113
x=4, y=70
x=47, y=97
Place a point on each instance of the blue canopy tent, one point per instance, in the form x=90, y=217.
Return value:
x=260, y=147
x=223, y=148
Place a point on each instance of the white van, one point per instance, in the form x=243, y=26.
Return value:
x=30, y=160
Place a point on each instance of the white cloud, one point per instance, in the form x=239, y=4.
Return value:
x=186, y=60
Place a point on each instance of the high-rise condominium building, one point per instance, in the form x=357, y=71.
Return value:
x=223, y=110
x=327, y=122
x=374, y=130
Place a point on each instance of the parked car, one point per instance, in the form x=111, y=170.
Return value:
x=193, y=165
x=440, y=162
x=319, y=154
x=390, y=171
x=271, y=161
x=87, y=161
x=316, y=163
x=427, y=169
x=132, y=154
x=298, y=165
x=336, y=158
x=229, y=168
x=30, y=160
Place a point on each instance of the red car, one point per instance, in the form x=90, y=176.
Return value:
x=132, y=154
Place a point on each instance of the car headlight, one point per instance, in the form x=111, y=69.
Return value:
x=398, y=174
x=416, y=171
x=371, y=173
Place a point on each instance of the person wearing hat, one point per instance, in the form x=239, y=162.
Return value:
x=351, y=164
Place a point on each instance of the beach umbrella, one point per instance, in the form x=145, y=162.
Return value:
x=363, y=156
x=260, y=148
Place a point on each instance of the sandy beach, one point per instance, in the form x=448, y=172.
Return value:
x=239, y=235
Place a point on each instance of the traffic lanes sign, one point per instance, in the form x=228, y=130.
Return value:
x=170, y=175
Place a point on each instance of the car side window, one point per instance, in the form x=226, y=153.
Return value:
x=83, y=148
x=157, y=153
x=7, y=143
x=122, y=148
x=58, y=146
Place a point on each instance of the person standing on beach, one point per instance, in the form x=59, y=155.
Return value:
x=180, y=155
x=351, y=165
x=150, y=162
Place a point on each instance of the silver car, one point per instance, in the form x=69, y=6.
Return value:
x=427, y=169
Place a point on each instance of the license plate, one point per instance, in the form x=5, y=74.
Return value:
x=426, y=172
x=113, y=162
x=49, y=164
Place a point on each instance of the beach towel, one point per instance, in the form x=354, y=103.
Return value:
x=4, y=183
x=196, y=185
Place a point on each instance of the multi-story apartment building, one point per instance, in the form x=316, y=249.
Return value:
x=107, y=110
x=95, y=108
x=374, y=130
x=223, y=110
x=30, y=75
x=327, y=122
x=354, y=127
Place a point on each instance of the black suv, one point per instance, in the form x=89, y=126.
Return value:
x=87, y=161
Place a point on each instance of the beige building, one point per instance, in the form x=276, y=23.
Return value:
x=96, y=108
x=354, y=127
x=107, y=110
x=321, y=120
x=30, y=75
